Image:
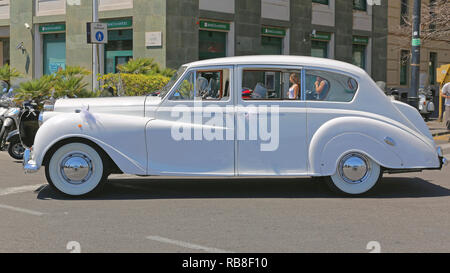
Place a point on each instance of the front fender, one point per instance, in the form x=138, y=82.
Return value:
x=365, y=135
x=121, y=137
x=11, y=135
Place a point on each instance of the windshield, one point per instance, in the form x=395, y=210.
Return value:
x=172, y=82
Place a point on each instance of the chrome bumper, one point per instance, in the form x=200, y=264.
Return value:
x=442, y=160
x=28, y=165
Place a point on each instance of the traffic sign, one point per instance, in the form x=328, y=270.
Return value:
x=97, y=33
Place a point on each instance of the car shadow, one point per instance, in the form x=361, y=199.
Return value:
x=201, y=188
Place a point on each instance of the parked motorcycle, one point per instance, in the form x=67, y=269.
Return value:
x=426, y=105
x=26, y=131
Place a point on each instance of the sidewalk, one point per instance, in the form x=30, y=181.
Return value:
x=437, y=128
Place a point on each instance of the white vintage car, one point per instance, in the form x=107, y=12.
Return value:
x=264, y=116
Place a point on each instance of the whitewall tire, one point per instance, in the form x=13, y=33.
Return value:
x=76, y=169
x=356, y=174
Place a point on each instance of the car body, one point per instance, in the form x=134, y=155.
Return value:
x=208, y=122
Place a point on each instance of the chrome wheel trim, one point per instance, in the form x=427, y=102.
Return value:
x=76, y=168
x=354, y=168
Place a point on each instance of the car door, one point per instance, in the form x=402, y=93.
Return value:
x=193, y=129
x=270, y=127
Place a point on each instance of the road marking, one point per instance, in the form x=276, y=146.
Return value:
x=32, y=212
x=187, y=245
x=22, y=189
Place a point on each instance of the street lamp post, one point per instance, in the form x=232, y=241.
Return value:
x=413, y=98
x=95, y=55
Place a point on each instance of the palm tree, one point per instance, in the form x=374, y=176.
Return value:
x=37, y=90
x=144, y=66
x=7, y=73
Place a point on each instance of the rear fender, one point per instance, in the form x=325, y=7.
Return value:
x=370, y=137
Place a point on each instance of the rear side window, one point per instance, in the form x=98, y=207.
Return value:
x=329, y=86
x=268, y=84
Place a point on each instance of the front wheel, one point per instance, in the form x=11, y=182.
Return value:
x=76, y=169
x=16, y=149
x=356, y=174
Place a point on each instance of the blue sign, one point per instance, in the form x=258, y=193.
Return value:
x=99, y=36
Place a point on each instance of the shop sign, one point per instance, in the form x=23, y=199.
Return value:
x=273, y=31
x=214, y=25
x=360, y=40
x=323, y=36
x=124, y=23
x=52, y=28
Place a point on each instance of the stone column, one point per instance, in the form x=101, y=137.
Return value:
x=301, y=15
x=248, y=27
x=379, y=41
x=344, y=30
x=149, y=16
x=22, y=59
x=78, y=51
x=182, y=32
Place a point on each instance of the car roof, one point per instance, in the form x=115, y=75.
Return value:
x=281, y=60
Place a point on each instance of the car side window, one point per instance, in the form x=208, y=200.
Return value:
x=329, y=86
x=185, y=90
x=271, y=85
x=213, y=84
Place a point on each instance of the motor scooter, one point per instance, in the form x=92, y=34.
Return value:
x=28, y=125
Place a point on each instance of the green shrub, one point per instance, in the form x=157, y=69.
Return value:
x=133, y=84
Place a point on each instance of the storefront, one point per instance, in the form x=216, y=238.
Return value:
x=119, y=49
x=213, y=39
x=53, y=47
x=360, y=51
x=320, y=43
x=272, y=40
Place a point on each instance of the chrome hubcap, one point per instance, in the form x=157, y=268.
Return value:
x=354, y=168
x=76, y=168
x=18, y=149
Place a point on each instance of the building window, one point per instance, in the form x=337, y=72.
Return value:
x=4, y=51
x=325, y=2
x=271, y=45
x=212, y=44
x=359, y=56
x=404, y=12
x=319, y=49
x=360, y=5
x=433, y=6
x=54, y=49
x=119, y=49
x=213, y=39
x=272, y=40
x=359, y=50
x=404, y=67
x=433, y=67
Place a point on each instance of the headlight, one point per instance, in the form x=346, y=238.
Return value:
x=49, y=107
x=41, y=118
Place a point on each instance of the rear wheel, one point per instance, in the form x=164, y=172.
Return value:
x=16, y=149
x=76, y=169
x=356, y=174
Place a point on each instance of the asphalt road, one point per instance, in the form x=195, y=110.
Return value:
x=407, y=213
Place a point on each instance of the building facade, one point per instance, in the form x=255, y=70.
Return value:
x=41, y=36
x=434, y=53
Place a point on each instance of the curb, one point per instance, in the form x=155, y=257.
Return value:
x=441, y=134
